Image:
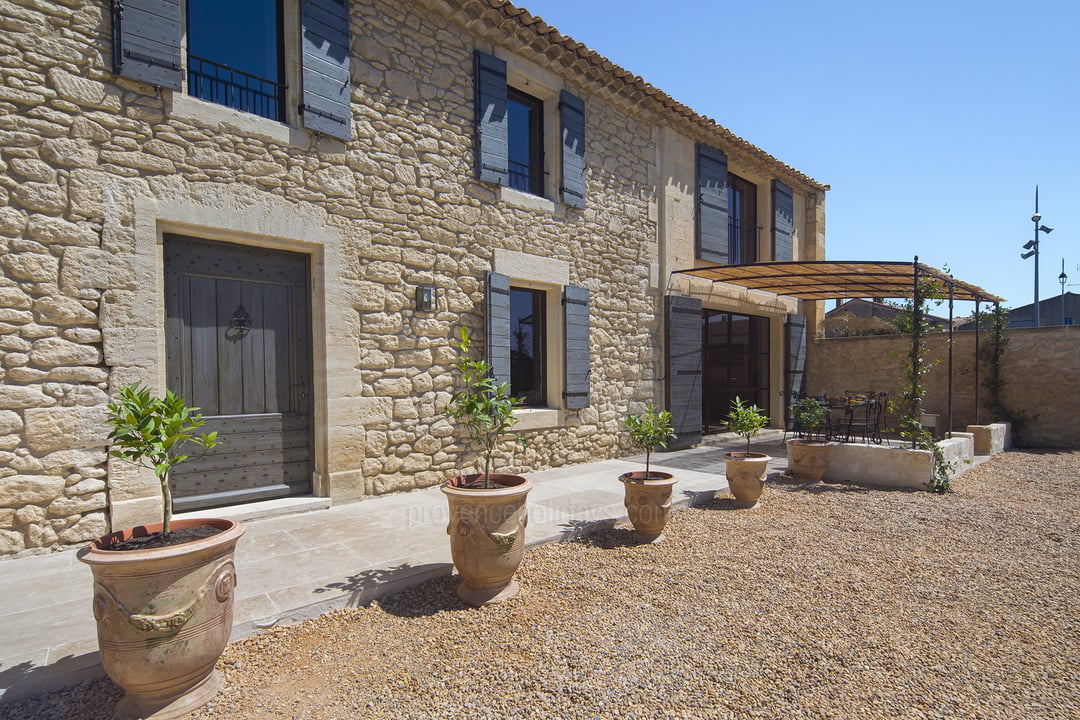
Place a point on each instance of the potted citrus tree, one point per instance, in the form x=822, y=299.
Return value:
x=163, y=592
x=487, y=510
x=746, y=471
x=647, y=494
x=806, y=456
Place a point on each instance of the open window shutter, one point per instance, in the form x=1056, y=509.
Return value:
x=146, y=41
x=683, y=369
x=492, y=149
x=326, y=104
x=795, y=357
x=572, y=111
x=497, y=340
x=783, y=222
x=712, y=205
x=576, y=330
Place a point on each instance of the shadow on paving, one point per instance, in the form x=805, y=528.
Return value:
x=366, y=586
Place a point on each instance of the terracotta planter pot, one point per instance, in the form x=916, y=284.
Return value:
x=648, y=502
x=746, y=476
x=164, y=616
x=806, y=459
x=487, y=535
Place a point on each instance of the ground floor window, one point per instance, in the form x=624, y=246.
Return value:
x=528, y=331
x=735, y=363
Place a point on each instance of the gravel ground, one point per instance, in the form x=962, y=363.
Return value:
x=827, y=601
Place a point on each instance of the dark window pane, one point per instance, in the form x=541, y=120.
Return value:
x=742, y=220
x=735, y=363
x=234, y=54
x=528, y=329
x=525, y=141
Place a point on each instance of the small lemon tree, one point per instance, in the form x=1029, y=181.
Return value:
x=746, y=420
x=151, y=431
x=483, y=405
x=649, y=430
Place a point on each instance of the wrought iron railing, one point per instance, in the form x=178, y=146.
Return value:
x=224, y=85
x=525, y=178
x=742, y=240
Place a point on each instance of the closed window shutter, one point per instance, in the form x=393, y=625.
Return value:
x=497, y=313
x=326, y=103
x=576, y=335
x=572, y=112
x=146, y=41
x=794, y=357
x=683, y=371
x=783, y=222
x=492, y=151
x=712, y=205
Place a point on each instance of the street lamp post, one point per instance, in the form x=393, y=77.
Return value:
x=1032, y=247
x=1063, y=278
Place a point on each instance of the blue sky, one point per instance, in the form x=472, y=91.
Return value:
x=932, y=121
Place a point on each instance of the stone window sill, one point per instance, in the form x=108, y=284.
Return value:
x=527, y=201
x=211, y=114
x=537, y=419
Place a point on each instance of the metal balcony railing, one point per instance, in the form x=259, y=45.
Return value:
x=224, y=85
x=525, y=178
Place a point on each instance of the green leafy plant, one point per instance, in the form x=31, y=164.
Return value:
x=809, y=413
x=483, y=405
x=649, y=430
x=990, y=355
x=912, y=322
x=746, y=420
x=152, y=431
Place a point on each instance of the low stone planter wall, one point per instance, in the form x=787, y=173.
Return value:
x=991, y=439
x=893, y=466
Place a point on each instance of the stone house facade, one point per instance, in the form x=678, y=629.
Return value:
x=297, y=258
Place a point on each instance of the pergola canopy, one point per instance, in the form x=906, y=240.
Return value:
x=829, y=279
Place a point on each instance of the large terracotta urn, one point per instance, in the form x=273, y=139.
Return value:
x=806, y=459
x=487, y=534
x=746, y=476
x=648, y=502
x=164, y=616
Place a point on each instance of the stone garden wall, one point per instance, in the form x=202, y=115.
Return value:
x=1040, y=370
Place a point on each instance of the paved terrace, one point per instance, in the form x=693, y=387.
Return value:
x=301, y=557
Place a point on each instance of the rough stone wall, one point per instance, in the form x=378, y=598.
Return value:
x=1040, y=370
x=87, y=158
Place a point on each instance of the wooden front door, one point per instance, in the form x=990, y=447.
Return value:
x=238, y=346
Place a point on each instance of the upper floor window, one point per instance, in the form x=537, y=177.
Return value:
x=742, y=220
x=514, y=148
x=242, y=69
x=525, y=141
x=236, y=55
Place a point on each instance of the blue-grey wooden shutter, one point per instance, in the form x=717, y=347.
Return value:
x=576, y=336
x=146, y=41
x=794, y=357
x=492, y=151
x=326, y=104
x=683, y=371
x=712, y=205
x=497, y=314
x=783, y=222
x=572, y=112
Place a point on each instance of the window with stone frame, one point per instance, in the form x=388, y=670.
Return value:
x=244, y=54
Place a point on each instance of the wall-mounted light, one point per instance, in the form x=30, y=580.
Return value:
x=425, y=298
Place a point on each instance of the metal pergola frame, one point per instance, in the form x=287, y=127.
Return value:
x=838, y=279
